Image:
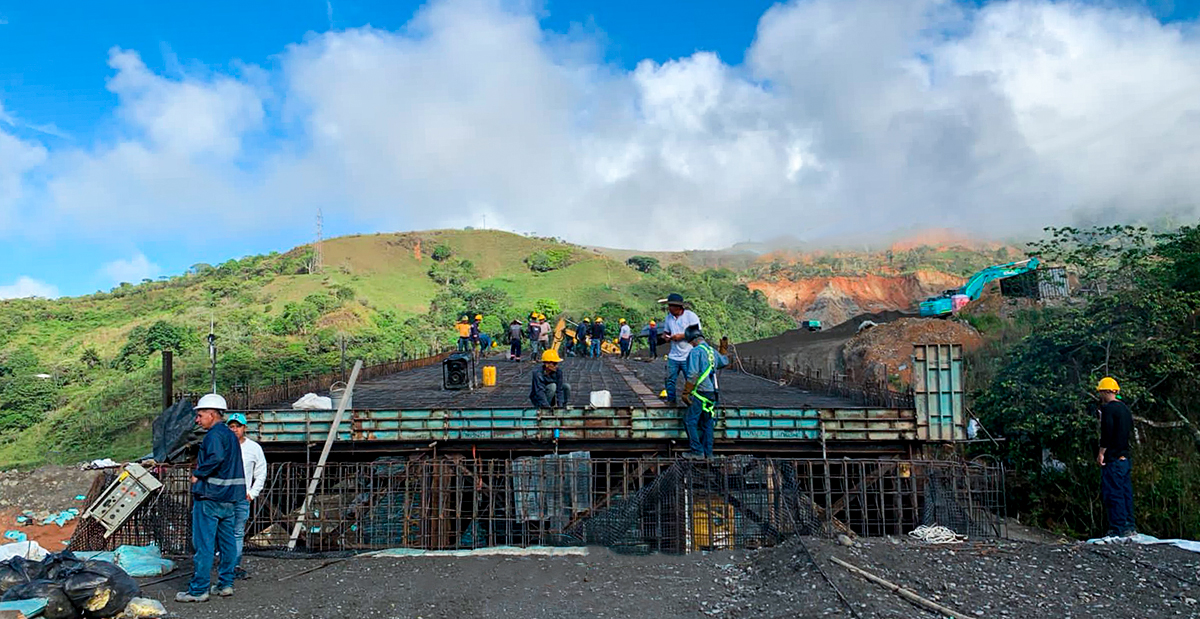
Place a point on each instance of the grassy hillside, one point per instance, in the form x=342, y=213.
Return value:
x=79, y=377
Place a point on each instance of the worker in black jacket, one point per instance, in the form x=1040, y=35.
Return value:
x=1116, y=485
x=598, y=334
x=549, y=389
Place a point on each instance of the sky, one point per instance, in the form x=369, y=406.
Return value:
x=139, y=138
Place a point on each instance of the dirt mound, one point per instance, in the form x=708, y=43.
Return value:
x=805, y=350
x=884, y=352
x=834, y=300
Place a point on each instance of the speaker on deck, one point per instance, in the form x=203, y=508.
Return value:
x=458, y=371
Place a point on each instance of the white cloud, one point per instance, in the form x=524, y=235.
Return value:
x=133, y=270
x=27, y=287
x=854, y=117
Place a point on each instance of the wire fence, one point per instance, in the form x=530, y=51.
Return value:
x=241, y=397
x=866, y=393
x=631, y=505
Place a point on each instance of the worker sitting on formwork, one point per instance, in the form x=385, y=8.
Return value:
x=550, y=389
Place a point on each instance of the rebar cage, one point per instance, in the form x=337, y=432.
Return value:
x=628, y=504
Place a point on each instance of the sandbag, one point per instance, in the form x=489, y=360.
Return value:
x=143, y=561
x=58, y=605
x=16, y=571
x=56, y=564
x=99, y=588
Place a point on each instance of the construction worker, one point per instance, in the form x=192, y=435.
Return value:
x=583, y=334
x=514, y=340
x=678, y=319
x=625, y=338
x=534, y=332
x=544, y=335
x=254, y=462
x=549, y=390
x=1115, y=459
x=700, y=392
x=464, y=334
x=476, y=341
x=652, y=339
x=597, y=336
x=218, y=483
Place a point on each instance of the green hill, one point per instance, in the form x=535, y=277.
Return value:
x=79, y=377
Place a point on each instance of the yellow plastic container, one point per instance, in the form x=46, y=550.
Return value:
x=489, y=376
x=712, y=523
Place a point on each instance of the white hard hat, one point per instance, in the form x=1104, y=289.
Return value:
x=212, y=400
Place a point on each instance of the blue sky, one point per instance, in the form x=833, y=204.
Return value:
x=687, y=82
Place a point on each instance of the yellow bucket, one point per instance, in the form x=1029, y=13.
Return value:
x=489, y=376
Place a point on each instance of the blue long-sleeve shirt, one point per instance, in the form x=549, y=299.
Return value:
x=537, y=392
x=219, y=470
x=698, y=359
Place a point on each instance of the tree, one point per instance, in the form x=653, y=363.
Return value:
x=645, y=264
x=441, y=253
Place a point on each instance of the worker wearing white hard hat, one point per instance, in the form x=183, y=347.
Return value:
x=218, y=483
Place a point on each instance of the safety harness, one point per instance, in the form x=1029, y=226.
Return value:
x=706, y=404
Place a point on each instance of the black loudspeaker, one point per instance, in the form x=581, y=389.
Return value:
x=458, y=371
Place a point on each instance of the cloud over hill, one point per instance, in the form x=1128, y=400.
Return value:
x=847, y=118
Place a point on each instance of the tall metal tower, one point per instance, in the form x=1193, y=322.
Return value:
x=317, y=257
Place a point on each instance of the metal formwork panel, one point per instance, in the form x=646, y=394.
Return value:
x=583, y=424
x=938, y=392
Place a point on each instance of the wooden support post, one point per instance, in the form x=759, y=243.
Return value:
x=316, y=478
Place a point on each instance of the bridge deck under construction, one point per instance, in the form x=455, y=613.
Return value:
x=411, y=410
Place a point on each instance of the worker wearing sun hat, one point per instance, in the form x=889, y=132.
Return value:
x=1116, y=485
x=678, y=319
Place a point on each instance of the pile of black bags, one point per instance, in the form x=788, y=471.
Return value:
x=75, y=588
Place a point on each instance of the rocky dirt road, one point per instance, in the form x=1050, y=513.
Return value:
x=983, y=579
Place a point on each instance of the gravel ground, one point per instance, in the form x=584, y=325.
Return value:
x=985, y=579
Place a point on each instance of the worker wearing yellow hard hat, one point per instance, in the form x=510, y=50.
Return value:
x=597, y=336
x=1116, y=484
x=652, y=340
x=476, y=331
x=549, y=388
x=464, y=334
x=625, y=338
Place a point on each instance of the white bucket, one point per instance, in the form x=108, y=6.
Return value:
x=601, y=399
x=337, y=391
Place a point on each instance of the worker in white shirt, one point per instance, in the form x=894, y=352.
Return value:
x=255, y=464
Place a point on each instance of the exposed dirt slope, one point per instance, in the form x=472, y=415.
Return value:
x=803, y=350
x=834, y=300
x=885, y=351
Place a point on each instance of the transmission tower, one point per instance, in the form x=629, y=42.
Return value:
x=317, y=257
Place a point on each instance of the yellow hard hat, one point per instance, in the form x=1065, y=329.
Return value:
x=622, y=321
x=463, y=319
x=652, y=323
x=478, y=316
x=551, y=356
x=1108, y=383
x=599, y=319
x=541, y=316
x=533, y=315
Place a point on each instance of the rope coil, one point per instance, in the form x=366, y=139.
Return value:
x=936, y=534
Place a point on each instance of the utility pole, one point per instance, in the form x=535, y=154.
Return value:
x=317, y=249
x=212, y=352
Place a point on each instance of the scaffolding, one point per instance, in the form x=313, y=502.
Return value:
x=636, y=505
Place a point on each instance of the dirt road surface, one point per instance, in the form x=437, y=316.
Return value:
x=981, y=579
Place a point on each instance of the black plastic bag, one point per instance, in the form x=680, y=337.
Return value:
x=56, y=564
x=16, y=571
x=100, y=588
x=173, y=429
x=58, y=605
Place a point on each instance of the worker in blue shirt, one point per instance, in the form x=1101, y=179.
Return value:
x=700, y=392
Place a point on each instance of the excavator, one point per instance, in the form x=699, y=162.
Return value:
x=561, y=332
x=952, y=300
